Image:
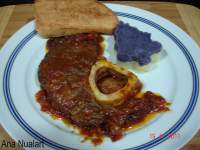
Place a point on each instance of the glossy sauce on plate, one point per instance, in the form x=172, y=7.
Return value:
x=66, y=93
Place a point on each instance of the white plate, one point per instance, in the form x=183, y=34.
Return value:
x=175, y=77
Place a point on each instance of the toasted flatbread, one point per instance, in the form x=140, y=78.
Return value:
x=56, y=18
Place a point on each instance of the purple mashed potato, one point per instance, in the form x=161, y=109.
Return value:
x=134, y=45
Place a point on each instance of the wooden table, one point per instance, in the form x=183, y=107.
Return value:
x=185, y=16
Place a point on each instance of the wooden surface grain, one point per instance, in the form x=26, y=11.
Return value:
x=185, y=16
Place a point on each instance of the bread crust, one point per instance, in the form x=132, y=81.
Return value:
x=66, y=17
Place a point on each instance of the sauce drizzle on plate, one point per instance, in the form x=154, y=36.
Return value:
x=66, y=93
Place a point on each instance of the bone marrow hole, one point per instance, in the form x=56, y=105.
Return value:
x=109, y=81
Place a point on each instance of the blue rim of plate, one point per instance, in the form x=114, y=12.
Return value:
x=150, y=144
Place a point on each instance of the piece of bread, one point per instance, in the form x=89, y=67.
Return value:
x=56, y=18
